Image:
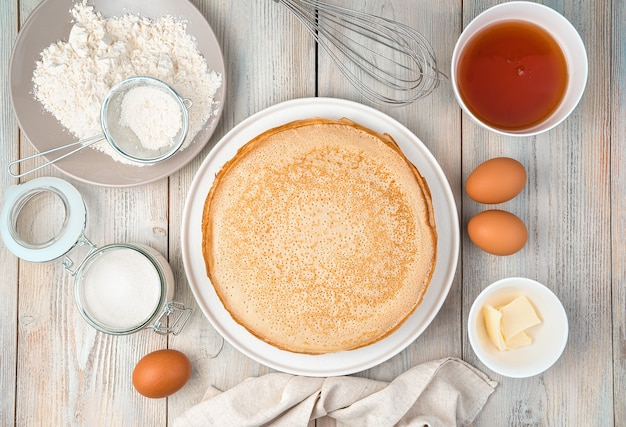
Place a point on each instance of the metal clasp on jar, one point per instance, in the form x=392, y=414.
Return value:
x=172, y=320
x=83, y=248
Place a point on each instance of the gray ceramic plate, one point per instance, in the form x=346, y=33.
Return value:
x=50, y=22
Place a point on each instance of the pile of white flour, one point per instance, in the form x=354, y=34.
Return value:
x=73, y=77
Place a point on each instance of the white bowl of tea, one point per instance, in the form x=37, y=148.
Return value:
x=519, y=68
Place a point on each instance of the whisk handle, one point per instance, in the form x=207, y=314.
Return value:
x=82, y=144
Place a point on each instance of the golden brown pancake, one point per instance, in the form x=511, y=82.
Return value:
x=319, y=236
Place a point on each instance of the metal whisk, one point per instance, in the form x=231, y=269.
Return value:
x=388, y=62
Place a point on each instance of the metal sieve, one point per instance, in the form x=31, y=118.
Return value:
x=123, y=140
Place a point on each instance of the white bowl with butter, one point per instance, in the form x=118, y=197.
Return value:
x=547, y=338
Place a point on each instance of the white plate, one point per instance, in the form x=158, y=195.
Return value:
x=549, y=337
x=51, y=21
x=346, y=362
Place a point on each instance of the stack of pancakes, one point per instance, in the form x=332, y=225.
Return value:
x=319, y=236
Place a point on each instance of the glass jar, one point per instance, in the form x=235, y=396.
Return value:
x=119, y=288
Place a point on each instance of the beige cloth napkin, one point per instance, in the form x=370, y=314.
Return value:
x=446, y=392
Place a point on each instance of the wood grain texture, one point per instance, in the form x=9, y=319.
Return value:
x=618, y=205
x=57, y=370
x=9, y=20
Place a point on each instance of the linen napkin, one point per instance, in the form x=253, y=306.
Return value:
x=445, y=392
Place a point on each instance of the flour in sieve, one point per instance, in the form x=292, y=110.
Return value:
x=153, y=115
x=73, y=77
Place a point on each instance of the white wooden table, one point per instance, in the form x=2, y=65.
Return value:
x=56, y=370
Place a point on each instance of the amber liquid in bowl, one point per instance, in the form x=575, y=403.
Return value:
x=512, y=75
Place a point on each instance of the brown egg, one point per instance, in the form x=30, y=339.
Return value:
x=496, y=180
x=497, y=232
x=161, y=373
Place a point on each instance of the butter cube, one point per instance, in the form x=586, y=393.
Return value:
x=520, y=340
x=493, y=319
x=517, y=316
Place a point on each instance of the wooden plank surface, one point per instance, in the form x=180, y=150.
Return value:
x=8, y=263
x=57, y=370
x=617, y=135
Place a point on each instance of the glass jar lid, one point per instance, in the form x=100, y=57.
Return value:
x=42, y=219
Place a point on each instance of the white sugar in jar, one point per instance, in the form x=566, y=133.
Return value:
x=122, y=288
x=119, y=288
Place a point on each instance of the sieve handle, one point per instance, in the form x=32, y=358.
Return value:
x=83, y=143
